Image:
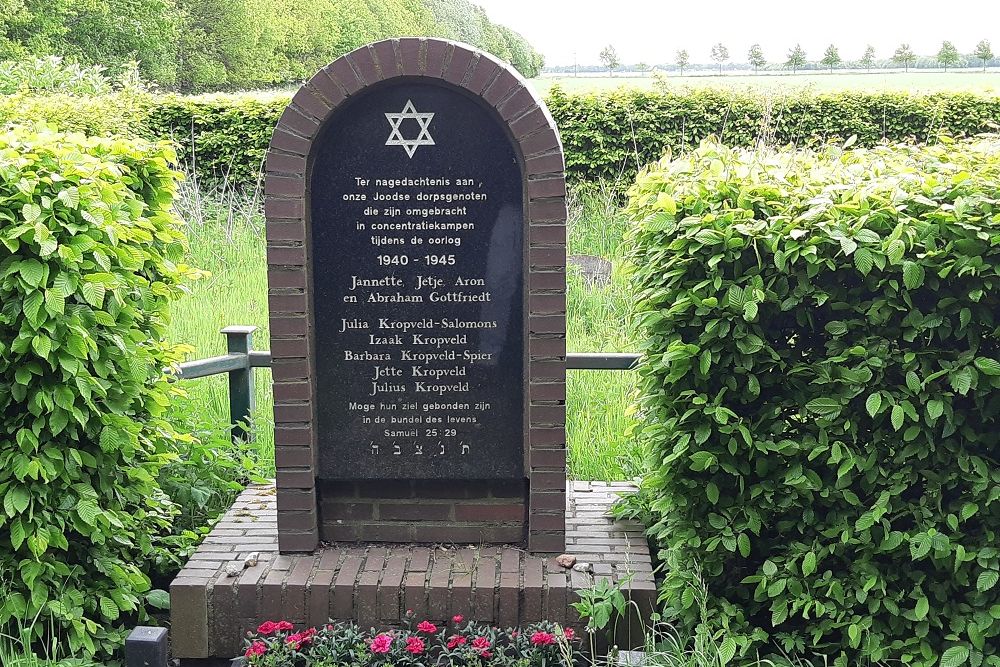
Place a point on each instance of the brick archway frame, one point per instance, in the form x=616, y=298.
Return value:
x=536, y=141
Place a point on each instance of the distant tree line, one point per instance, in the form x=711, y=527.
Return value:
x=796, y=59
x=229, y=44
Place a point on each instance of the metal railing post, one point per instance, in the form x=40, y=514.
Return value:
x=239, y=340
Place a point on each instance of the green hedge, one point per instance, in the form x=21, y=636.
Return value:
x=821, y=392
x=89, y=260
x=218, y=136
x=606, y=136
x=612, y=135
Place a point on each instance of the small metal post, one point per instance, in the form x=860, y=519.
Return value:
x=146, y=647
x=239, y=340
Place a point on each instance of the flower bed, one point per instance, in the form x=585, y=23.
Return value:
x=277, y=644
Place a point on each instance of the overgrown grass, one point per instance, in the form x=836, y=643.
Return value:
x=225, y=229
x=20, y=646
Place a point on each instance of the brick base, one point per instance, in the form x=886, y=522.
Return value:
x=374, y=585
x=423, y=511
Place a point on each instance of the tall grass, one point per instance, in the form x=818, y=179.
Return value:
x=21, y=646
x=225, y=229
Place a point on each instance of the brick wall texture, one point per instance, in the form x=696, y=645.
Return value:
x=374, y=584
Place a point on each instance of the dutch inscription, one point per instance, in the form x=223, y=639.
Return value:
x=418, y=266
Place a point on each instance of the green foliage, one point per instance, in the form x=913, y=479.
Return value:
x=601, y=603
x=868, y=58
x=831, y=57
x=51, y=75
x=903, y=55
x=204, y=478
x=606, y=136
x=682, y=59
x=755, y=56
x=821, y=382
x=720, y=54
x=984, y=51
x=948, y=55
x=609, y=58
x=796, y=58
x=122, y=113
x=110, y=33
x=197, y=45
x=89, y=261
x=218, y=136
x=611, y=135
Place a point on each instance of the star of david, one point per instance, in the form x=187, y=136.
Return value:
x=396, y=136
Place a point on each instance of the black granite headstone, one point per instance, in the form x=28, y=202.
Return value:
x=418, y=280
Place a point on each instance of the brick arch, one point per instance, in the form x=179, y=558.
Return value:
x=287, y=171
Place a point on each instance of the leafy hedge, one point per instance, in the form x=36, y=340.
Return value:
x=89, y=261
x=821, y=392
x=218, y=136
x=612, y=135
x=606, y=136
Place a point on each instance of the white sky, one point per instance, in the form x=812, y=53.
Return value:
x=653, y=30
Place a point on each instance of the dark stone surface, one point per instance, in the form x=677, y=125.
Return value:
x=469, y=142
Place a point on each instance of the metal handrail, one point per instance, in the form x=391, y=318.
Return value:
x=241, y=359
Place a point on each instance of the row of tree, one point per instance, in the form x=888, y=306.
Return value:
x=947, y=56
x=227, y=44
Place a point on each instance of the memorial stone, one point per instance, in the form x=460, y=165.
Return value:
x=416, y=212
x=415, y=204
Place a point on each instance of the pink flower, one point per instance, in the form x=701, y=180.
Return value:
x=569, y=634
x=427, y=626
x=257, y=648
x=485, y=655
x=381, y=643
x=481, y=644
x=455, y=641
x=300, y=639
x=267, y=628
x=457, y=618
x=542, y=639
x=283, y=626
x=415, y=645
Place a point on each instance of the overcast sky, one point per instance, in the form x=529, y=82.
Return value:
x=653, y=30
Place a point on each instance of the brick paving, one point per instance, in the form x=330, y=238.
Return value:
x=375, y=584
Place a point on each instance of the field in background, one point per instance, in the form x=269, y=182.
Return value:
x=987, y=83
x=226, y=236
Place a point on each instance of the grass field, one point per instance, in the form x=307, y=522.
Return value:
x=226, y=235
x=987, y=83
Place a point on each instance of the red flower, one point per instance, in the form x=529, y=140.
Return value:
x=455, y=641
x=427, y=626
x=283, y=626
x=542, y=639
x=415, y=645
x=257, y=648
x=485, y=655
x=457, y=618
x=300, y=639
x=381, y=643
x=569, y=634
x=481, y=644
x=267, y=627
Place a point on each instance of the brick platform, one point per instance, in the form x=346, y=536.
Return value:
x=374, y=585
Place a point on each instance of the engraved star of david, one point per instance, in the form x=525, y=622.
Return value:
x=396, y=136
